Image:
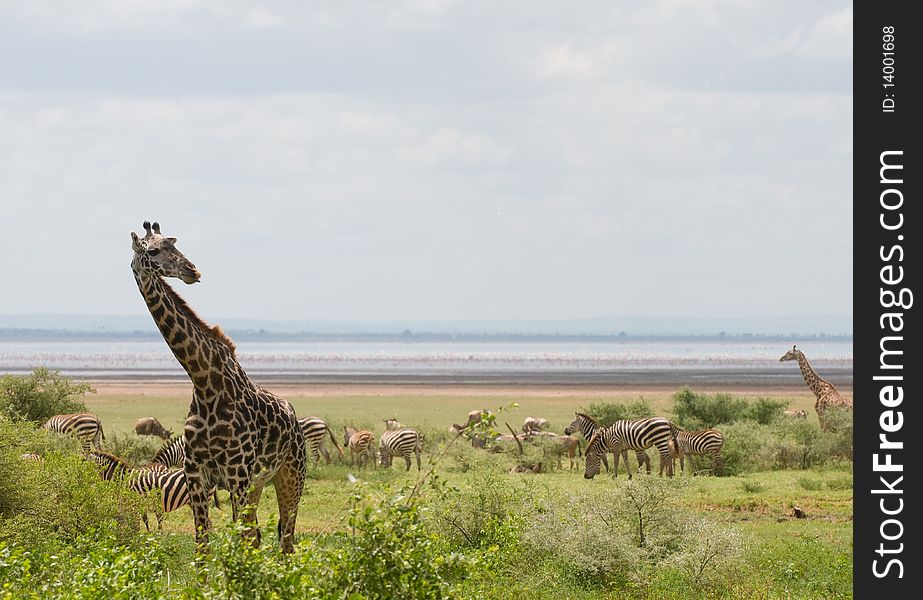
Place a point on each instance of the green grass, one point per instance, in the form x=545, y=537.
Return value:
x=784, y=558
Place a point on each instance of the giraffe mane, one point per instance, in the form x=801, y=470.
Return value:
x=212, y=331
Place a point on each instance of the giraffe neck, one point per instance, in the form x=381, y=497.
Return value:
x=814, y=381
x=209, y=361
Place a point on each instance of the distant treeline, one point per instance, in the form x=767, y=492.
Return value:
x=263, y=335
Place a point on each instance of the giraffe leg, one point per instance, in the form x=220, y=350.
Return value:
x=198, y=501
x=289, y=484
x=248, y=514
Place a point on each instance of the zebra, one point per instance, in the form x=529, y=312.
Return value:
x=587, y=426
x=361, y=445
x=83, y=426
x=110, y=466
x=315, y=430
x=635, y=434
x=172, y=453
x=171, y=484
x=698, y=443
x=400, y=442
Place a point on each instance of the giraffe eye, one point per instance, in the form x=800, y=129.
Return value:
x=153, y=252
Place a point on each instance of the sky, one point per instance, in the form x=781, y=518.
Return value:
x=431, y=159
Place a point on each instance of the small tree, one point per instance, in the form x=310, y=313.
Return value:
x=607, y=413
x=41, y=395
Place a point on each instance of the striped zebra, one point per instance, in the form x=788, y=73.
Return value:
x=587, y=426
x=315, y=433
x=110, y=466
x=171, y=454
x=171, y=485
x=361, y=446
x=634, y=434
x=83, y=426
x=699, y=443
x=400, y=442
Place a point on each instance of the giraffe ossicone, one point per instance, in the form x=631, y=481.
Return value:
x=238, y=435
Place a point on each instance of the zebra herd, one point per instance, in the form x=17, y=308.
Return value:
x=638, y=435
x=165, y=475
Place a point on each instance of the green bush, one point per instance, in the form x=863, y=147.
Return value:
x=699, y=411
x=41, y=395
x=62, y=496
x=607, y=413
x=138, y=450
x=766, y=411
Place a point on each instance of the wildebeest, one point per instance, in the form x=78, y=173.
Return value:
x=151, y=426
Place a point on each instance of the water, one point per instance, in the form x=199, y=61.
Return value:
x=294, y=360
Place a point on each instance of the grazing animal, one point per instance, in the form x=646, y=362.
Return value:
x=475, y=416
x=571, y=445
x=174, y=493
x=83, y=426
x=238, y=435
x=151, y=426
x=391, y=424
x=361, y=446
x=634, y=434
x=400, y=442
x=534, y=424
x=110, y=466
x=587, y=426
x=698, y=443
x=824, y=392
x=315, y=434
x=32, y=456
x=796, y=414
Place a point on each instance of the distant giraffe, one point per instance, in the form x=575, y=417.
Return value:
x=824, y=391
x=238, y=435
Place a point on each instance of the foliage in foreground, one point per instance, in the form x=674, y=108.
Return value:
x=40, y=395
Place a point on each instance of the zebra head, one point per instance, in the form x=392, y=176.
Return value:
x=595, y=448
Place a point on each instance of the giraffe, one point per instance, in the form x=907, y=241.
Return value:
x=824, y=391
x=238, y=435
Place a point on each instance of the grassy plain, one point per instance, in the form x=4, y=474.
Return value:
x=784, y=557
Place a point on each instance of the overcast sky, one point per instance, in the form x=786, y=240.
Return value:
x=430, y=159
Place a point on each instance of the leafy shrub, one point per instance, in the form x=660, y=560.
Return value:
x=389, y=553
x=62, y=496
x=628, y=533
x=607, y=413
x=699, y=411
x=95, y=566
x=41, y=395
x=136, y=449
x=766, y=411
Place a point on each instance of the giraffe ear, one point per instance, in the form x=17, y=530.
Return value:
x=135, y=242
x=172, y=240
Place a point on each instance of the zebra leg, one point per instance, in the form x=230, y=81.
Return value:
x=326, y=455
x=627, y=465
x=407, y=461
x=665, y=459
x=417, y=452
x=615, y=470
x=605, y=462
x=144, y=519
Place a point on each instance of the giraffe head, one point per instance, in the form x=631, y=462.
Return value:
x=792, y=354
x=157, y=255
